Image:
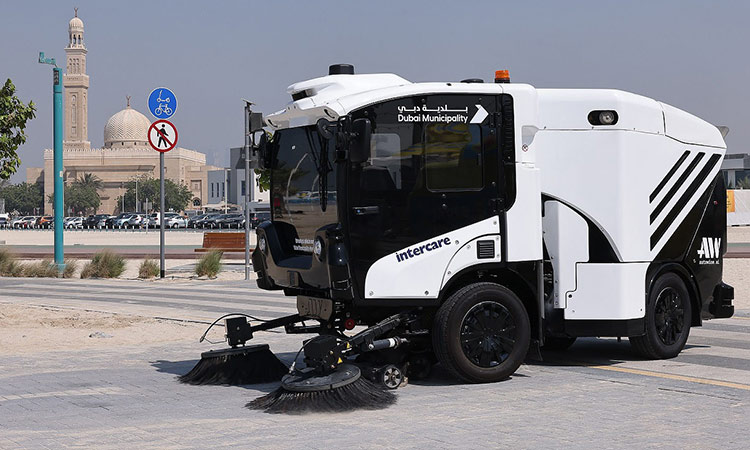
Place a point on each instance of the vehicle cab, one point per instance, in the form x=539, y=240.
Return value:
x=371, y=173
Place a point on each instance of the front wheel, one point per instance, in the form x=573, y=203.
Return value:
x=481, y=333
x=668, y=318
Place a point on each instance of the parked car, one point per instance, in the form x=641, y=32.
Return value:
x=96, y=221
x=4, y=220
x=44, y=222
x=175, y=221
x=154, y=219
x=111, y=221
x=23, y=222
x=194, y=220
x=136, y=220
x=73, y=222
x=234, y=220
x=210, y=220
x=258, y=217
x=123, y=220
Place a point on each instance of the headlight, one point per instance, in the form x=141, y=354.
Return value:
x=318, y=248
x=262, y=244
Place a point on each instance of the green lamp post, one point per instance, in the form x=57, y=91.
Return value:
x=58, y=156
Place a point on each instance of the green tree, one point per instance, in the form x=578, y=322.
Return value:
x=26, y=198
x=13, y=117
x=176, y=196
x=264, y=179
x=79, y=199
x=82, y=195
x=89, y=180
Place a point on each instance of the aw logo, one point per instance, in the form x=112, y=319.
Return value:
x=710, y=251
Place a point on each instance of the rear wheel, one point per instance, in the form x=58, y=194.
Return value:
x=481, y=333
x=668, y=318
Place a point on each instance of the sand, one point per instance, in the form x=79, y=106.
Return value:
x=31, y=329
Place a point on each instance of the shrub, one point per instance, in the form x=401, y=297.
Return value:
x=14, y=269
x=41, y=269
x=104, y=264
x=148, y=269
x=9, y=267
x=70, y=268
x=209, y=264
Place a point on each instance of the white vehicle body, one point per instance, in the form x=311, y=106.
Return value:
x=600, y=210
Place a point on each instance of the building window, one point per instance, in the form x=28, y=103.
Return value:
x=243, y=188
x=73, y=110
x=212, y=191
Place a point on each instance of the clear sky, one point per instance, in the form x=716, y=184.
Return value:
x=691, y=54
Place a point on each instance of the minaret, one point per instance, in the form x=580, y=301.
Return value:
x=76, y=87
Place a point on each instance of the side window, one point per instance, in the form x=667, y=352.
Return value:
x=453, y=157
x=395, y=158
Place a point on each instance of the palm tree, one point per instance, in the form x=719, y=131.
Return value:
x=744, y=183
x=90, y=180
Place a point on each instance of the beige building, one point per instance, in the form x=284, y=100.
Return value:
x=126, y=153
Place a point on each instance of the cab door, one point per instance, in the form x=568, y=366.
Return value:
x=433, y=168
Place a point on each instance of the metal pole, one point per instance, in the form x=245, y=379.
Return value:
x=136, y=195
x=247, y=192
x=58, y=166
x=161, y=214
x=224, y=189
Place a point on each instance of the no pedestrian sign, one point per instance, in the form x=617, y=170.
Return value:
x=162, y=135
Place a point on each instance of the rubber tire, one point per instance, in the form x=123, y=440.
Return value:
x=447, y=325
x=650, y=345
x=558, y=343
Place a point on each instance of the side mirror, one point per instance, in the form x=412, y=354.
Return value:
x=325, y=130
x=262, y=152
x=360, y=142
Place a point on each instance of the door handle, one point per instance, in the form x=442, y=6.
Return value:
x=366, y=210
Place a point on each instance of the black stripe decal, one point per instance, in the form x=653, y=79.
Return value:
x=668, y=176
x=684, y=199
x=655, y=213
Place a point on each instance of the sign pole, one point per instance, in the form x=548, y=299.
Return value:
x=247, y=191
x=162, y=103
x=161, y=215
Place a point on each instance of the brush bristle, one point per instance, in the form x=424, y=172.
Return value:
x=361, y=394
x=236, y=369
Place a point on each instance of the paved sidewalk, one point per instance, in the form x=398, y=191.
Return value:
x=596, y=395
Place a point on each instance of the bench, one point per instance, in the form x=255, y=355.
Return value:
x=226, y=242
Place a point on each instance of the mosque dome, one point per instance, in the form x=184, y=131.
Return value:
x=75, y=24
x=127, y=128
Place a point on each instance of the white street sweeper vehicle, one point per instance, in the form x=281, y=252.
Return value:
x=468, y=223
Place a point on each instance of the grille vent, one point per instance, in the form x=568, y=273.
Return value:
x=485, y=249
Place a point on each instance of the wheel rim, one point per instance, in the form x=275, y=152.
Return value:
x=392, y=377
x=488, y=334
x=669, y=315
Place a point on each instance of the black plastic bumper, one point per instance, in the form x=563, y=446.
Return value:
x=721, y=306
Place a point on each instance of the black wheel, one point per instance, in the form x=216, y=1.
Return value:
x=558, y=343
x=391, y=376
x=481, y=333
x=668, y=318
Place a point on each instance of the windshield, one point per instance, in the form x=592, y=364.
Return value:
x=300, y=167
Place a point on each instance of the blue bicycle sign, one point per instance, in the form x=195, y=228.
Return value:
x=162, y=103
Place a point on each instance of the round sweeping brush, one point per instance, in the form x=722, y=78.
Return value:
x=342, y=390
x=252, y=364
